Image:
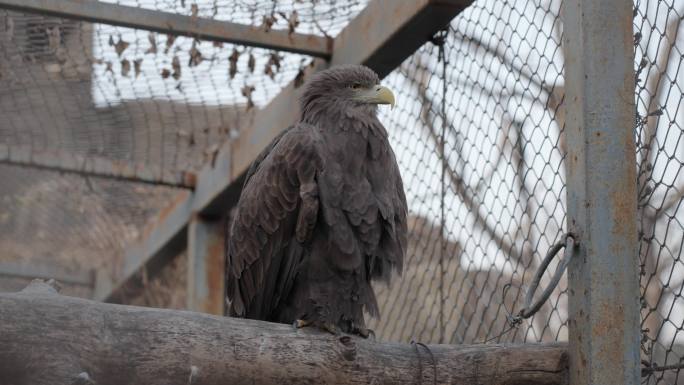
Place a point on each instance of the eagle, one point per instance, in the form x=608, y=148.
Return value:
x=322, y=212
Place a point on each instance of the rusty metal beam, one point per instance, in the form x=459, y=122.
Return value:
x=206, y=266
x=603, y=281
x=385, y=31
x=172, y=23
x=63, y=161
x=397, y=29
x=46, y=270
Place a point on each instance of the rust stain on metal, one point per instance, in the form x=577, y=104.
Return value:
x=164, y=213
x=329, y=44
x=623, y=198
x=608, y=316
x=621, y=201
x=215, y=277
x=189, y=179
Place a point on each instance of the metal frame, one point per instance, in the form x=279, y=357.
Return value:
x=603, y=285
x=172, y=23
x=206, y=261
x=63, y=161
x=45, y=270
x=369, y=39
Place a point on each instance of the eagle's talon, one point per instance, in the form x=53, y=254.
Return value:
x=325, y=326
x=300, y=323
x=365, y=333
x=330, y=328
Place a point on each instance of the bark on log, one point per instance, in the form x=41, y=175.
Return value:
x=47, y=338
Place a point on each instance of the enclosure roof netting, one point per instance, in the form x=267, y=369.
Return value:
x=131, y=96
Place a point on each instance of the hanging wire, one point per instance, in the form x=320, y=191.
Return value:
x=439, y=40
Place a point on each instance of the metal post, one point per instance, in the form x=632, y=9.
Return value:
x=601, y=183
x=206, y=266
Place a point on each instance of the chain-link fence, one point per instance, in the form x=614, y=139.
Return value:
x=659, y=128
x=485, y=185
x=100, y=93
x=478, y=135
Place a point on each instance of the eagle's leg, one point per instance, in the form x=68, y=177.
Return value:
x=329, y=327
x=325, y=326
x=300, y=323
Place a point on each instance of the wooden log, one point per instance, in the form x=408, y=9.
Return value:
x=47, y=338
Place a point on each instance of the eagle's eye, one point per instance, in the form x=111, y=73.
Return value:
x=355, y=86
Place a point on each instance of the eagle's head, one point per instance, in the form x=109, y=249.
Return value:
x=342, y=88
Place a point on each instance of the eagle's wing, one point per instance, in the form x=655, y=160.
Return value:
x=276, y=213
x=365, y=211
x=262, y=155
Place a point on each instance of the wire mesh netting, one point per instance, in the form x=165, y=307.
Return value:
x=659, y=128
x=485, y=185
x=126, y=96
x=72, y=220
x=319, y=17
x=478, y=134
x=485, y=190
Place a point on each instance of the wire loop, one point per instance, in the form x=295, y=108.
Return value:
x=568, y=242
x=530, y=307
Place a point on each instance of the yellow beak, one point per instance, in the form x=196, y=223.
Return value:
x=383, y=95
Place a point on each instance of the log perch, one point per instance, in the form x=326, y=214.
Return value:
x=48, y=338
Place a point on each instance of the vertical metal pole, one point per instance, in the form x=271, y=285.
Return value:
x=601, y=182
x=205, y=266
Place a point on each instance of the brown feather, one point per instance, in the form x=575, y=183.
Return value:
x=321, y=214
